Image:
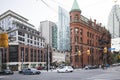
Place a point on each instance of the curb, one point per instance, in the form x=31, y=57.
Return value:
x=1, y=77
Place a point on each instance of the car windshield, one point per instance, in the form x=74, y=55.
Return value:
x=69, y=67
x=61, y=67
x=7, y=70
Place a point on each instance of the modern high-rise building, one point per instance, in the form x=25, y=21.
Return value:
x=26, y=45
x=63, y=30
x=114, y=21
x=49, y=31
x=114, y=27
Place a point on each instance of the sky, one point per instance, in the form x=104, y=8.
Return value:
x=40, y=10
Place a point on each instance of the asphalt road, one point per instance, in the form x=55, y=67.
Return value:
x=96, y=74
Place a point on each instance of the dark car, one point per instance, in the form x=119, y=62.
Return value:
x=6, y=72
x=91, y=67
x=23, y=70
x=31, y=71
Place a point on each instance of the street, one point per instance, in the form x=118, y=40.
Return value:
x=95, y=74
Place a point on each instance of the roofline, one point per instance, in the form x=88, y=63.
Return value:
x=9, y=12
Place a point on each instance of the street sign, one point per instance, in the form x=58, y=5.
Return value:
x=111, y=49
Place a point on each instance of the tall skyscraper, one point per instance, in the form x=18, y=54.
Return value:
x=114, y=21
x=63, y=30
x=114, y=27
x=49, y=31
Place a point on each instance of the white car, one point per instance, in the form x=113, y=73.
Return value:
x=65, y=69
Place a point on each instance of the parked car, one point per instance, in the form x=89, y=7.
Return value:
x=91, y=67
x=39, y=68
x=6, y=72
x=31, y=71
x=65, y=69
x=23, y=70
x=116, y=64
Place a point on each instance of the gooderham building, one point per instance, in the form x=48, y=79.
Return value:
x=88, y=40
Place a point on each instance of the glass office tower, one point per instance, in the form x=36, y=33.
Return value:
x=63, y=30
x=114, y=21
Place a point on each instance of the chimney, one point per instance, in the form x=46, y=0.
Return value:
x=100, y=24
x=94, y=21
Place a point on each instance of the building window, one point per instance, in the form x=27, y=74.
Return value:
x=21, y=39
x=30, y=36
x=41, y=57
x=76, y=19
x=81, y=40
x=21, y=33
x=26, y=54
x=31, y=42
x=87, y=34
x=28, y=41
x=76, y=58
x=76, y=30
x=35, y=56
x=31, y=56
x=81, y=31
x=76, y=39
x=88, y=41
x=76, y=48
x=81, y=48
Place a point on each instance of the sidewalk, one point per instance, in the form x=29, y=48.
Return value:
x=113, y=69
x=111, y=73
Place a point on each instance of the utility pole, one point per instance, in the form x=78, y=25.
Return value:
x=48, y=58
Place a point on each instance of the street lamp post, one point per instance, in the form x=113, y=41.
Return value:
x=47, y=57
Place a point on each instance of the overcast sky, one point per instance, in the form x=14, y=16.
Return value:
x=40, y=10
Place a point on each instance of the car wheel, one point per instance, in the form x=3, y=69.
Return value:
x=57, y=71
x=71, y=71
x=33, y=73
x=38, y=72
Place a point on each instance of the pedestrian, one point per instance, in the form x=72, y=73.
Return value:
x=107, y=66
x=102, y=66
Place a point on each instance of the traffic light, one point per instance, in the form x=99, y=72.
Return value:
x=88, y=52
x=4, y=40
x=118, y=56
x=79, y=53
x=105, y=50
